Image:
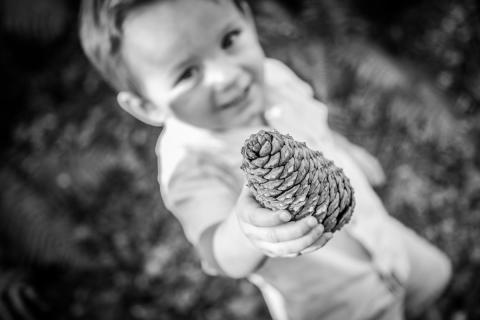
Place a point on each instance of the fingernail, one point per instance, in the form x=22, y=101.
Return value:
x=285, y=216
x=312, y=221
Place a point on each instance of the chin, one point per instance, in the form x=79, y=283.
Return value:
x=251, y=115
x=250, y=118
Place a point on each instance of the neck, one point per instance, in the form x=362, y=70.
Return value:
x=259, y=120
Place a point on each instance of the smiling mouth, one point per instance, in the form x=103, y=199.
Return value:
x=239, y=100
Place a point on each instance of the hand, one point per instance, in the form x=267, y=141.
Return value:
x=274, y=234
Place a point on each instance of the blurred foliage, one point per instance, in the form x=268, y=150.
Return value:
x=81, y=219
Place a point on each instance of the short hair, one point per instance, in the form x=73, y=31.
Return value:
x=101, y=24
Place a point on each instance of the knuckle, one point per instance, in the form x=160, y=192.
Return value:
x=272, y=236
x=257, y=218
x=305, y=228
x=318, y=231
x=309, y=240
x=299, y=232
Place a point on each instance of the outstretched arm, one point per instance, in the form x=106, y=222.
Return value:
x=232, y=233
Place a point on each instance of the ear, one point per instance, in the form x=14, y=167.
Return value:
x=141, y=109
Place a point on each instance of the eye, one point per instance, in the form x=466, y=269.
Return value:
x=229, y=39
x=187, y=74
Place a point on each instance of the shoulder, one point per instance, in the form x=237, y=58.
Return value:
x=169, y=154
x=178, y=143
x=182, y=164
x=279, y=75
x=287, y=90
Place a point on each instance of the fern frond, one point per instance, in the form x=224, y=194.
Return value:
x=43, y=21
x=370, y=65
x=33, y=235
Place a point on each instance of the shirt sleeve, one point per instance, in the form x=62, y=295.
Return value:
x=279, y=75
x=201, y=194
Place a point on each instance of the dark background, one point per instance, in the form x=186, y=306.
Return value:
x=82, y=224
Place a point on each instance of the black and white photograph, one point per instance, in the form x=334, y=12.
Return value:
x=240, y=160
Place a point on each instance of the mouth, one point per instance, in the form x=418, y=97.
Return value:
x=238, y=101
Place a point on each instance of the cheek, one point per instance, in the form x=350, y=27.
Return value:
x=191, y=104
x=179, y=106
x=256, y=63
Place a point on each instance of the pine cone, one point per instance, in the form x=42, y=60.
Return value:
x=285, y=174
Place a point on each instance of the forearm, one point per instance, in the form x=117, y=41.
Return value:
x=234, y=252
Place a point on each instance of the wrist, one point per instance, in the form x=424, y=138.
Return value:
x=235, y=253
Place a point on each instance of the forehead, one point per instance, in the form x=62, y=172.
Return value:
x=167, y=29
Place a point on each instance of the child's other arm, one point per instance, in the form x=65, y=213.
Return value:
x=370, y=166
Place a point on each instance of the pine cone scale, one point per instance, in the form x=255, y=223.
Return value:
x=265, y=149
x=274, y=173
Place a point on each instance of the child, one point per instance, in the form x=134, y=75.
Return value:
x=196, y=67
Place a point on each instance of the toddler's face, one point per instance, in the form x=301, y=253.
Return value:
x=201, y=60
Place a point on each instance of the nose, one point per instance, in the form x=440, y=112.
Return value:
x=224, y=77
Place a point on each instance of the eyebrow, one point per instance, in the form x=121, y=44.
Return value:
x=180, y=60
x=229, y=26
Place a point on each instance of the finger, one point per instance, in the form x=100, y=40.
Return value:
x=267, y=218
x=285, y=232
x=319, y=243
x=324, y=238
x=287, y=248
x=254, y=214
x=258, y=216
